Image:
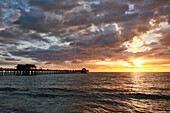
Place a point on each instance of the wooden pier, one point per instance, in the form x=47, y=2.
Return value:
x=31, y=70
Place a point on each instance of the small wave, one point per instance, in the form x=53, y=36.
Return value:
x=108, y=102
x=115, y=103
x=96, y=106
x=163, y=89
x=137, y=96
x=8, y=89
x=49, y=95
x=16, y=110
x=148, y=96
x=3, y=110
x=108, y=90
x=62, y=89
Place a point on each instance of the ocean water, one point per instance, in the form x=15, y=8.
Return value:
x=86, y=93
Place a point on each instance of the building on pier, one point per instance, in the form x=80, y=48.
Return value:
x=26, y=66
x=84, y=70
x=25, y=69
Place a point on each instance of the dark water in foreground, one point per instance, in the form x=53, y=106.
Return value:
x=92, y=92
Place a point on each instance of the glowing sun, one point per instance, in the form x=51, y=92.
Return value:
x=137, y=62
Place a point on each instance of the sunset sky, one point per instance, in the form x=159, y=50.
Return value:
x=100, y=35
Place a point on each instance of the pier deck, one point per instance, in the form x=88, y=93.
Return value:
x=30, y=69
x=10, y=71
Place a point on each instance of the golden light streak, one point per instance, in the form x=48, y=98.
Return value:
x=131, y=65
x=2, y=29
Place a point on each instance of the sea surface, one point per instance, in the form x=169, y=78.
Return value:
x=86, y=93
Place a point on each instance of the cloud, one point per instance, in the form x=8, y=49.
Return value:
x=48, y=55
x=15, y=34
x=7, y=63
x=165, y=41
x=49, y=5
x=12, y=59
x=10, y=11
x=60, y=31
x=97, y=41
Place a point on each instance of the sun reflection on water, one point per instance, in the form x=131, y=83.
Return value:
x=143, y=96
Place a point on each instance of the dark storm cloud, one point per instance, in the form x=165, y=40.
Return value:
x=32, y=20
x=166, y=40
x=46, y=20
x=13, y=35
x=5, y=55
x=49, y=5
x=54, y=47
x=10, y=11
x=12, y=59
x=38, y=20
x=166, y=52
x=6, y=63
x=151, y=4
x=68, y=39
x=48, y=55
x=97, y=41
x=57, y=54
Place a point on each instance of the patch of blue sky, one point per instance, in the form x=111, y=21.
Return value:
x=6, y=13
x=131, y=9
x=90, y=2
x=15, y=4
x=35, y=44
x=105, y=27
x=152, y=36
x=165, y=25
